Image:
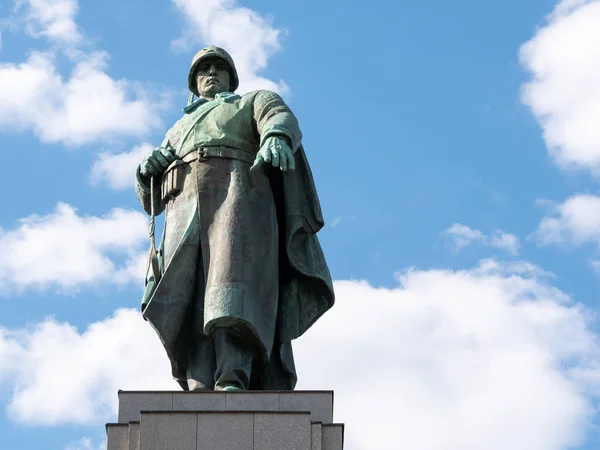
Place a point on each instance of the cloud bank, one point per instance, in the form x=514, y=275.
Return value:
x=574, y=222
x=463, y=236
x=84, y=107
x=68, y=250
x=52, y=19
x=491, y=357
x=563, y=61
x=60, y=375
x=87, y=107
x=249, y=37
x=117, y=170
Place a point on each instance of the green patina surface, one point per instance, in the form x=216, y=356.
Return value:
x=239, y=248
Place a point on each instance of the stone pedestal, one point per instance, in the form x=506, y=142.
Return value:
x=251, y=420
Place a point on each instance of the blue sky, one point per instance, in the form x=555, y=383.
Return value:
x=456, y=151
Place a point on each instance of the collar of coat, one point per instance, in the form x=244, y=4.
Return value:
x=226, y=97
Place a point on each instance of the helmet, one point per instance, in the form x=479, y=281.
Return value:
x=212, y=52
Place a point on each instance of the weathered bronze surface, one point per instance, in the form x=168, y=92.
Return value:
x=239, y=272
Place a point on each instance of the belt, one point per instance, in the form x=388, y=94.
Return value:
x=203, y=153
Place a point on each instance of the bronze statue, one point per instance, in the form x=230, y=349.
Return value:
x=239, y=272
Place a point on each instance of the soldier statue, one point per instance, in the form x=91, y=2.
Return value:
x=239, y=272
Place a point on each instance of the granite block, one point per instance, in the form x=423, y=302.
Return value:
x=131, y=403
x=225, y=431
x=199, y=401
x=252, y=401
x=117, y=436
x=319, y=403
x=333, y=437
x=315, y=435
x=277, y=431
x=250, y=420
x=134, y=436
x=168, y=430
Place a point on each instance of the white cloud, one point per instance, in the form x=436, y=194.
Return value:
x=87, y=444
x=336, y=221
x=462, y=236
x=67, y=250
x=117, y=170
x=492, y=357
x=249, y=37
x=506, y=241
x=60, y=375
x=52, y=19
x=574, y=222
x=88, y=106
x=595, y=265
x=563, y=59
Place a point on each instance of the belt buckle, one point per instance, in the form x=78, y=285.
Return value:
x=202, y=154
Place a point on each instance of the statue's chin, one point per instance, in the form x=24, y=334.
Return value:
x=211, y=92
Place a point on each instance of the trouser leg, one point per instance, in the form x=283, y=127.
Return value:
x=201, y=357
x=201, y=364
x=234, y=358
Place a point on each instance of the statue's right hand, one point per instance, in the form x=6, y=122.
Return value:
x=156, y=162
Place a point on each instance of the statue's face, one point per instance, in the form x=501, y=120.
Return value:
x=212, y=78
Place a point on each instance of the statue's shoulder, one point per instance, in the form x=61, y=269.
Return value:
x=261, y=93
x=179, y=124
x=174, y=133
x=261, y=96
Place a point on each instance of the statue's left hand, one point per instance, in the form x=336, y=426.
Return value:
x=276, y=151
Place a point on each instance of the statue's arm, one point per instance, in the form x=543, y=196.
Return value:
x=142, y=189
x=274, y=118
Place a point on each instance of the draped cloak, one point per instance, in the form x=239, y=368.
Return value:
x=222, y=200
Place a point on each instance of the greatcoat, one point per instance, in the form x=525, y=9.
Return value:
x=239, y=248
